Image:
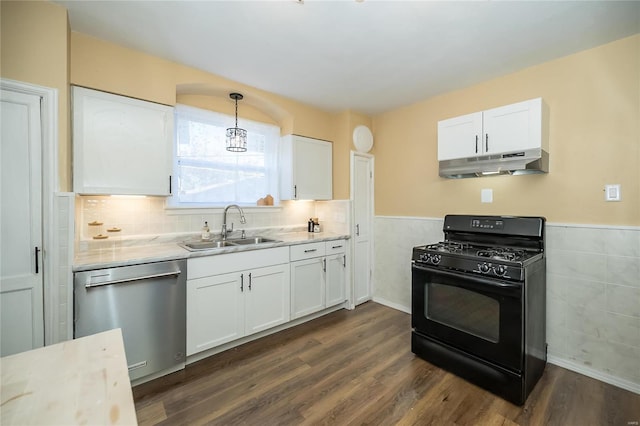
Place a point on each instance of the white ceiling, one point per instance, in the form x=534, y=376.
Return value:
x=367, y=56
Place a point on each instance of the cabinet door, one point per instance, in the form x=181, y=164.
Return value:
x=336, y=279
x=266, y=295
x=307, y=286
x=460, y=137
x=513, y=128
x=215, y=310
x=307, y=169
x=121, y=145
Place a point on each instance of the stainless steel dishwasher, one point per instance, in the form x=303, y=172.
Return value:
x=147, y=301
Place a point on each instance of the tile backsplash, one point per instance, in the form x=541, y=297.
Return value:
x=140, y=217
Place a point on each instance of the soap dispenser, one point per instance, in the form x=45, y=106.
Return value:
x=206, y=233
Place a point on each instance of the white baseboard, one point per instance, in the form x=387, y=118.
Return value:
x=393, y=305
x=595, y=374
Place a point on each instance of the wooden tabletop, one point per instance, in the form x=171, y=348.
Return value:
x=82, y=381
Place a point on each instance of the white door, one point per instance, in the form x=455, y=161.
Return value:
x=512, y=127
x=21, y=261
x=307, y=286
x=362, y=195
x=460, y=137
x=215, y=311
x=267, y=301
x=312, y=169
x=336, y=266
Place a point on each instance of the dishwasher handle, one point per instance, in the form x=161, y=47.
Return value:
x=127, y=280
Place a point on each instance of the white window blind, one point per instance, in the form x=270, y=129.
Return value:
x=208, y=175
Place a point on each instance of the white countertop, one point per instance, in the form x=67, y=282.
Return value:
x=81, y=381
x=117, y=255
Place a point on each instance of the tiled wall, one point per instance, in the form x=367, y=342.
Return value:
x=63, y=275
x=593, y=291
x=394, y=238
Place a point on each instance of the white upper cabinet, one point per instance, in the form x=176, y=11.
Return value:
x=459, y=137
x=515, y=127
x=120, y=145
x=507, y=129
x=305, y=169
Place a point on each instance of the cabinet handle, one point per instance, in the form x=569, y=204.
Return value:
x=476, y=144
x=335, y=247
x=242, y=283
x=486, y=142
x=310, y=250
x=357, y=229
x=324, y=265
x=344, y=261
x=295, y=191
x=249, y=281
x=169, y=184
x=37, y=252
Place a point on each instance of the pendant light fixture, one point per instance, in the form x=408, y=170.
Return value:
x=236, y=137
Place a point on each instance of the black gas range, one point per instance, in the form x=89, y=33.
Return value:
x=490, y=260
x=478, y=302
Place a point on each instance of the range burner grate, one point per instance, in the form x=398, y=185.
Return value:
x=510, y=255
x=448, y=247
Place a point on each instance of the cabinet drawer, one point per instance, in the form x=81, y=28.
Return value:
x=224, y=263
x=307, y=251
x=335, y=247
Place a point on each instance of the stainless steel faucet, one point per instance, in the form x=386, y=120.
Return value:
x=226, y=231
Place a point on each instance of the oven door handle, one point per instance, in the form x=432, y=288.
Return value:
x=495, y=283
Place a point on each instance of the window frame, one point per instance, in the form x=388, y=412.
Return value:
x=221, y=120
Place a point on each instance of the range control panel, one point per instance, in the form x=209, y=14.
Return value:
x=487, y=223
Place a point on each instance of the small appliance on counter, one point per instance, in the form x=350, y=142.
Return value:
x=313, y=225
x=478, y=303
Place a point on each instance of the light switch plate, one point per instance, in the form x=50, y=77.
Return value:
x=612, y=192
x=486, y=195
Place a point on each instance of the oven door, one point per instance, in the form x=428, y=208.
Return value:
x=479, y=315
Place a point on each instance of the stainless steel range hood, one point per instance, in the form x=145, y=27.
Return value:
x=515, y=163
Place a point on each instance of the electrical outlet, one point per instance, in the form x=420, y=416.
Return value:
x=612, y=192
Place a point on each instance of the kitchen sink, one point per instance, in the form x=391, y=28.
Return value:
x=208, y=245
x=253, y=240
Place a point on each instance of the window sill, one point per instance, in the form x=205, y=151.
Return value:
x=178, y=210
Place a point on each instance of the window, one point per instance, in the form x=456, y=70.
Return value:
x=208, y=175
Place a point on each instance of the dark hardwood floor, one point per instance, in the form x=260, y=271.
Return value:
x=356, y=367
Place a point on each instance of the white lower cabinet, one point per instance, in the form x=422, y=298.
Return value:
x=223, y=306
x=307, y=289
x=336, y=279
x=215, y=311
x=318, y=276
x=267, y=301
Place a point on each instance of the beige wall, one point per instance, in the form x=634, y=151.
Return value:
x=593, y=99
x=346, y=122
x=594, y=139
x=105, y=66
x=34, y=49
